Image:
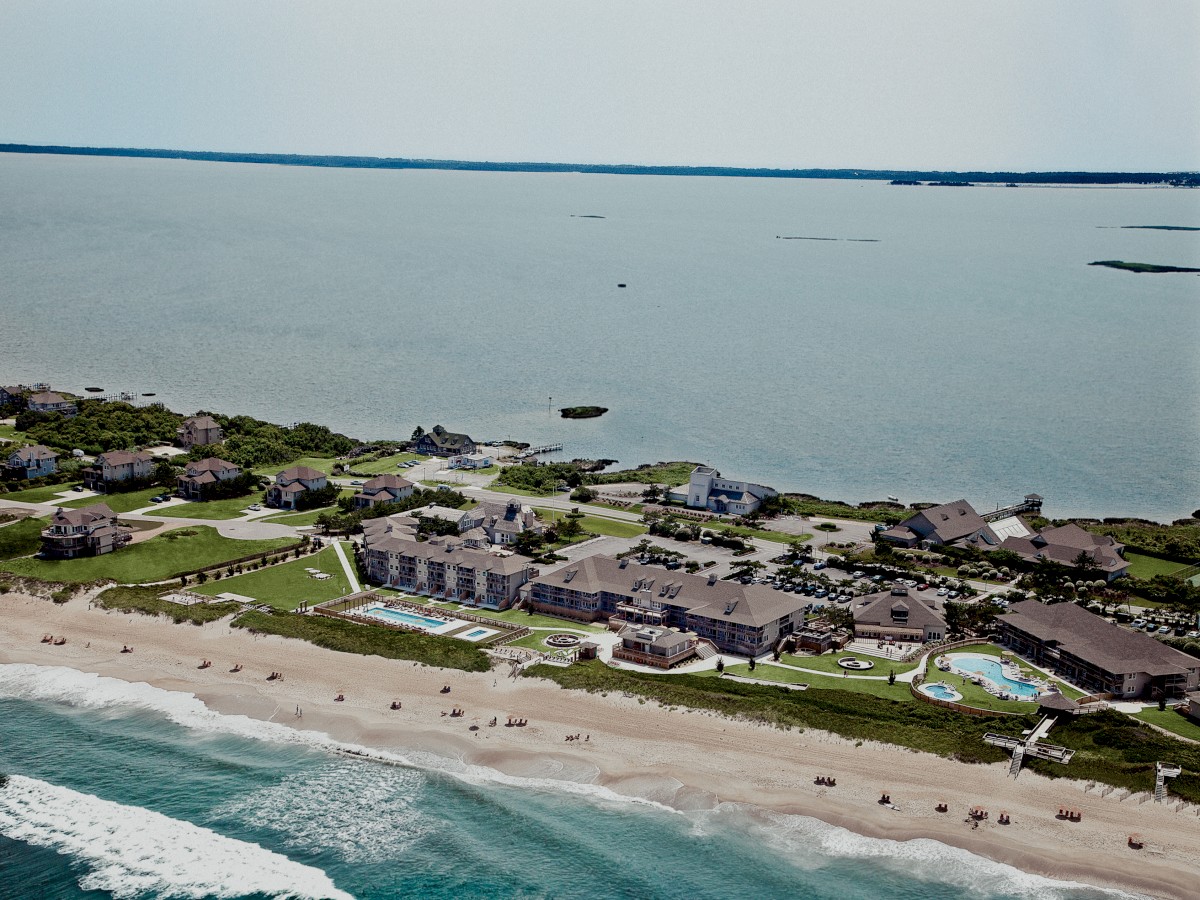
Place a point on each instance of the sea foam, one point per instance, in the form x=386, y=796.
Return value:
x=806, y=842
x=134, y=852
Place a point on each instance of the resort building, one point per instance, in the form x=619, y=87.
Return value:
x=952, y=524
x=291, y=483
x=651, y=645
x=197, y=477
x=747, y=620
x=199, y=431
x=116, y=466
x=441, y=442
x=32, y=462
x=488, y=523
x=1096, y=654
x=51, y=402
x=90, y=531
x=896, y=615
x=442, y=567
x=383, y=489
x=1063, y=545
x=706, y=489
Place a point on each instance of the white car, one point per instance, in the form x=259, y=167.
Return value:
x=942, y=592
x=254, y=507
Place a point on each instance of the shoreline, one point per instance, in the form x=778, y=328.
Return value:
x=682, y=759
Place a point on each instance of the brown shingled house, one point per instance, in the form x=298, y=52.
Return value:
x=199, y=431
x=118, y=465
x=441, y=442
x=383, y=489
x=90, y=531
x=954, y=523
x=197, y=476
x=291, y=483
x=896, y=615
x=1063, y=546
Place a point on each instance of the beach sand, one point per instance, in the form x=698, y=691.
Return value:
x=687, y=759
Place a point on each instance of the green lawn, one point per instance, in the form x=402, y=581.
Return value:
x=21, y=538
x=738, y=531
x=385, y=466
x=157, y=559
x=767, y=672
x=297, y=520
x=1172, y=721
x=520, y=617
x=520, y=492
x=118, y=503
x=596, y=524
x=1141, y=566
x=285, y=586
x=10, y=432
x=39, y=494
x=320, y=463
x=828, y=663
x=230, y=508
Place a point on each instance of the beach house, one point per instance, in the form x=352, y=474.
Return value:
x=747, y=620
x=1065, y=544
x=199, y=431
x=1093, y=653
x=291, y=483
x=488, y=523
x=897, y=615
x=13, y=395
x=51, y=402
x=383, y=489
x=32, y=462
x=89, y=531
x=658, y=646
x=706, y=489
x=442, y=567
x=952, y=524
x=441, y=442
x=198, y=477
x=118, y=466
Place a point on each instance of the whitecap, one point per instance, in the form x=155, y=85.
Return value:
x=133, y=852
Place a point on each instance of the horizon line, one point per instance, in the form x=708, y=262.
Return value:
x=1182, y=177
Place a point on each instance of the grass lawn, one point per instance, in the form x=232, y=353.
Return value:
x=635, y=508
x=673, y=474
x=39, y=494
x=157, y=559
x=10, y=432
x=21, y=538
x=1172, y=721
x=384, y=466
x=297, y=520
x=519, y=617
x=1141, y=566
x=285, y=586
x=768, y=672
x=738, y=531
x=520, y=492
x=596, y=524
x=118, y=503
x=320, y=463
x=230, y=508
x=828, y=663
x=368, y=640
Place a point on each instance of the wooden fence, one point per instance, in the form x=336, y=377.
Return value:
x=918, y=680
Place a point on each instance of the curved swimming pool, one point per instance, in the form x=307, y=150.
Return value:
x=989, y=667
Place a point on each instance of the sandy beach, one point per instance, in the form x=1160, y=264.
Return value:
x=682, y=758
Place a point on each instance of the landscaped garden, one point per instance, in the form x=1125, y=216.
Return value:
x=160, y=558
x=287, y=585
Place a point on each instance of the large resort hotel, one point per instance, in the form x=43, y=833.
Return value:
x=747, y=620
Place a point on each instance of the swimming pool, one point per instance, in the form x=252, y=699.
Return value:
x=989, y=667
x=477, y=634
x=404, y=617
x=940, y=691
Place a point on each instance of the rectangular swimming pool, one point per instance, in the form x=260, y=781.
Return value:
x=404, y=617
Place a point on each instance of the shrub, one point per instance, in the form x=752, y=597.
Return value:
x=61, y=596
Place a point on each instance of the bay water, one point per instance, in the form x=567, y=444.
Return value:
x=933, y=343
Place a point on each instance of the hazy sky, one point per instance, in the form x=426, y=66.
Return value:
x=929, y=84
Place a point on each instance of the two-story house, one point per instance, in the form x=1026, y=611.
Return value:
x=383, y=489
x=441, y=442
x=32, y=462
x=199, y=431
x=89, y=531
x=197, y=477
x=51, y=402
x=118, y=465
x=291, y=483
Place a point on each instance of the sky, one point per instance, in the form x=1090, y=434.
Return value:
x=1045, y=85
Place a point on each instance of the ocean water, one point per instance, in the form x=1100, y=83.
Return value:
x=132, y=792
x=943, y=342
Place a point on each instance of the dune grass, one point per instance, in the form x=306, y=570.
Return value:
x=368, y=640
x=146, y=600
x=158, y=559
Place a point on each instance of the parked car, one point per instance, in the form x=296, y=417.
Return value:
x=858, y=574
x=821, y=594
x=78, y=487
x=1193, y=634
x=953, y=595
x=156, y=499
x=1166, y=629
x=1138, y=623
x=254, y=506
x=922, y=587
x=819, y=566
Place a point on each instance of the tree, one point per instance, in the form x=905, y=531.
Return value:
x=652, y=494
x=720, y=664
x=527, y=543
x=165, y=474
x=569, y=527
x=752, y=664
x=749, y=567
x=891, y=677
x=583, y=495
x=418, y=433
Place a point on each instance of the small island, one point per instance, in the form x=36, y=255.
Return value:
x=583, y=412
x=1139, y=268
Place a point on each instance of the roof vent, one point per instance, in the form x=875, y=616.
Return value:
x=712, y=579
x=730, y=606
x=570, y=574
x=624, y=563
